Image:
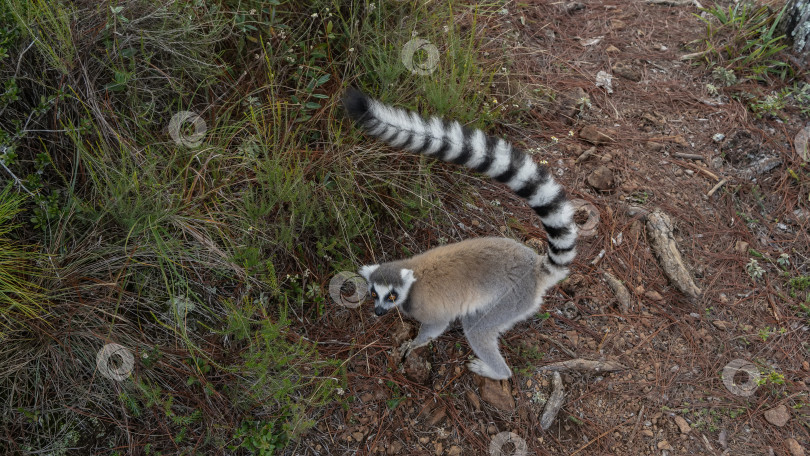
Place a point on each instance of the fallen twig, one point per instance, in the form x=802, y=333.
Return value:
x=662, y=241
x=559, y=345
x=717, y=187
x=688, y=156
x=581, y=364
x=554, y=403
x=620, y=291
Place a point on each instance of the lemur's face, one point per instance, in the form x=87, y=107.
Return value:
x=388, y=289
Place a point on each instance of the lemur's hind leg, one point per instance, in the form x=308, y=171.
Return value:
x=483, y=339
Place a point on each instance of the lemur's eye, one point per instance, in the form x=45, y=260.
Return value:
x=374, y=294
x=392, y=297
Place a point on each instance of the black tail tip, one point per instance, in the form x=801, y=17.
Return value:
x=356, y=103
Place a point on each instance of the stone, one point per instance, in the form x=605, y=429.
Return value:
x=395, y=447
x=612, y=49
x=721, y=325
x=664, y=445
x=439, y=448
x=417, y=369
x=597, y=136
x=616, y=24
x=358, y=436
x=602, y=179
x=682, y=425
x=573, y=7
x=454, y=450
x=437, y=416
x=778, y=416
x=741, y=247
x=794, y=447
x=654, y=296
x=495, y=393
x=627, y=71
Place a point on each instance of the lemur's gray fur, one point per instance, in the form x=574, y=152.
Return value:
x=489, y=283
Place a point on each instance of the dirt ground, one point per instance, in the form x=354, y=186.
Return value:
x=671, y=398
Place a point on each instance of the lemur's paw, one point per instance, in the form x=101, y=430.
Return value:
x=481, y=368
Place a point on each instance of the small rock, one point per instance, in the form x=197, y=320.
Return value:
x=718, y=137
x=454, y=450
x=366, y=397
x=402, y=332
x=612, y=49
x=439, y=448
x=654, y=296
x=721, y=325
x=597, y=136
x=664, y=445
x=602, y=179
x=495, y=393
x=616, y=24
x=627, y=71
x=778, y=416
x=573, y=337
x=417, y=369
x=653, y=146
x=795, y=448
x=805, y=366
x=682, y=425
x=358, y=436
x=647, y=432
x=492, y=430
x=394, y=447
x=424, y=440
x=741, y=247
x=437, y=416
x=572, y=7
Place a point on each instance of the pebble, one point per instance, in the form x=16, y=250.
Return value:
x=795, y=448
x=682, y=425
x=778, y=416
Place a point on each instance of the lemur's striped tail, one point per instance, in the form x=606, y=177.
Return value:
x=452, y=142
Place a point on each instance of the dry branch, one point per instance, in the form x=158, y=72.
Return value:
x=554, y=403
x=659, y=232
x=581, y=364
x=620, y=291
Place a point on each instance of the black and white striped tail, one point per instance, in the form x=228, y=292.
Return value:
x=452, y=142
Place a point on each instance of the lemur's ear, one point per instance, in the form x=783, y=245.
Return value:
x=407, y=276
x=367, y=270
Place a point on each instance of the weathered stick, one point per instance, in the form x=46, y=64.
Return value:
x=554, y=403
x=581, y=364
x=620, y=291
x=717, y=187
x=659, y=232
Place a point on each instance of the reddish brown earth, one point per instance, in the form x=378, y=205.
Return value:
x=671, y=399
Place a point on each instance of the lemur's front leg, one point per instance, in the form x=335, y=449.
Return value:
x=427, y=332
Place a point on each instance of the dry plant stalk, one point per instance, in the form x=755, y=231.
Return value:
x=581, y=364
x=554, y=403
x=659, y=231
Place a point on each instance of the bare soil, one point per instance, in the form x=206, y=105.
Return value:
x=671, y=399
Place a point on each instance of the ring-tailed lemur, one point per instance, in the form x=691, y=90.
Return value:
x=489, y=283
